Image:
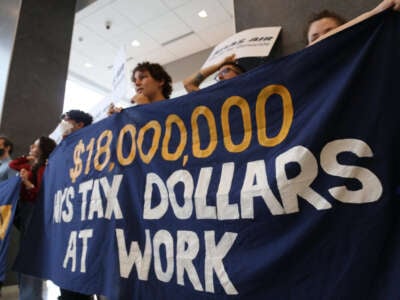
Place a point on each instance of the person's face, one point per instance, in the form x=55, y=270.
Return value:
x=73, y=126
x=146, y=85
x=227, y=72
x=3, y=150
x=34, y=149
x=320, y=27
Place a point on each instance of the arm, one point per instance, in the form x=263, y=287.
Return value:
x=193, y=82
x=19, y=163
x=31, y=190
x=385, y=4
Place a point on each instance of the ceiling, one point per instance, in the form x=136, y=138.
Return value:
x=167, y=31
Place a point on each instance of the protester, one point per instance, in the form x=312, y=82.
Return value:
x=31, y=169
x=325, y=24
x=6, y=147
x=72, y=121
x=152, y=84
x=321, y=23
x=228, y=68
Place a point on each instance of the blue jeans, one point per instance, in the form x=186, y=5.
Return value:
x=30, y=288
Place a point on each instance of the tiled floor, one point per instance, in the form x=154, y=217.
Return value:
x=9, y=292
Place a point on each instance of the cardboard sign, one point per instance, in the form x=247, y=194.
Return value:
x=255, y=42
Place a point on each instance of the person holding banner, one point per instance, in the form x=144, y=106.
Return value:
x=152, y=84
x=227, y=69
x=6, y=147
x=326, y=23
x=31, y=169
x=72, y=121
x=321, y=23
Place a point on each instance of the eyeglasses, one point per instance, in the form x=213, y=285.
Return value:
x=223, y=72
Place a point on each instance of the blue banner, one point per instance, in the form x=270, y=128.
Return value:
x=9, y=195
x=277, y=184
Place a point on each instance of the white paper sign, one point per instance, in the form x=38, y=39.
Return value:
x=100, y=111
x=255, y=42
x=56, y=135
x=119, y=81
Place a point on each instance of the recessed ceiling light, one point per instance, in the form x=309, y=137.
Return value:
x=88, y=65
x=202, y=14
x=135, y=43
